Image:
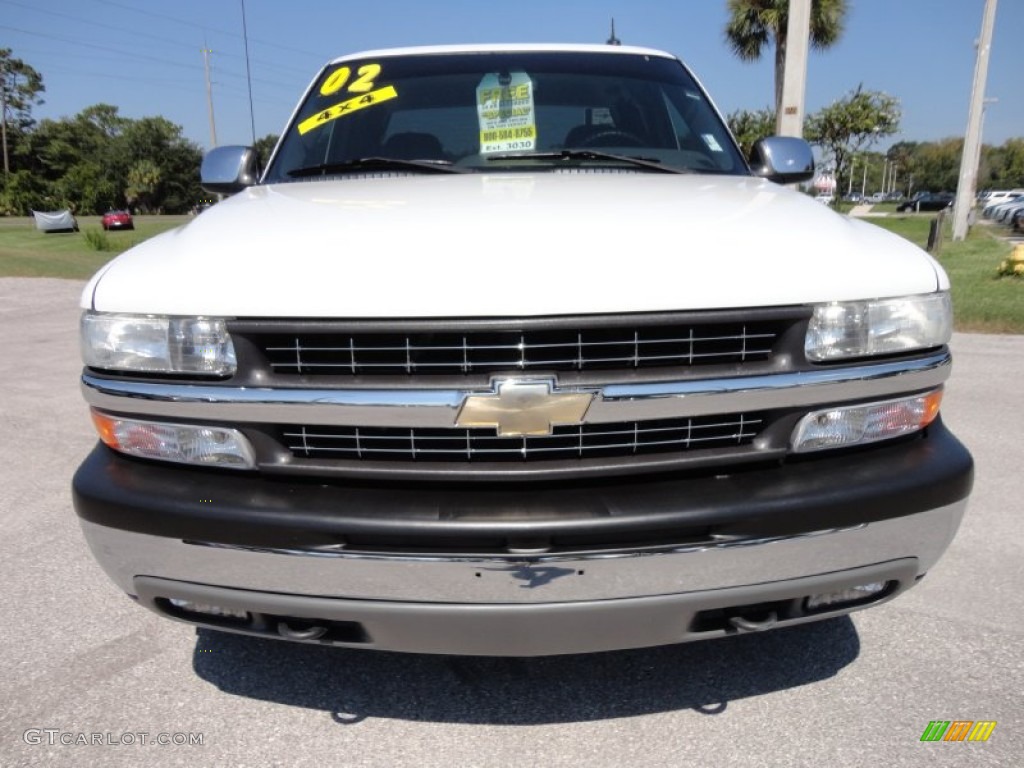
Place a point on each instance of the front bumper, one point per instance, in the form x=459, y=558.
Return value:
x=541, y=629
x=752, y=545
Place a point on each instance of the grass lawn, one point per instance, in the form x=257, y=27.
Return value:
x=982, y=301
x=27, y=252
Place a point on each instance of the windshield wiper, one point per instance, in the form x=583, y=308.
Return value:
x=590, y=154
x=371, y=163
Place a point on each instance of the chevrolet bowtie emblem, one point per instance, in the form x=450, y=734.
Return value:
x=523, y=408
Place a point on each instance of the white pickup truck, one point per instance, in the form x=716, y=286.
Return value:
x=509, y=351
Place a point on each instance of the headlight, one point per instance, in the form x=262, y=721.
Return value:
x=881, y=327
x=865, y=423
x=157, y=344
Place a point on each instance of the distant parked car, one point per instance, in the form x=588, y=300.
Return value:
x=1017, y=221
x=877, y=197
x=118, y=220
x=1004, y=213
x=928, y=202
x=996, y=197
x=998, y=210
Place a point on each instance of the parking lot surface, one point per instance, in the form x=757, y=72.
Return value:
x=80, y=662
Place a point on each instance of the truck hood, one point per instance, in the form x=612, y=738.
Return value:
x=510, y=244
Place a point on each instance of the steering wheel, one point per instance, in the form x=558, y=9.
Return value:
x=612, y=137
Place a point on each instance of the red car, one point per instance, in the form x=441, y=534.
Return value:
x=118, y=220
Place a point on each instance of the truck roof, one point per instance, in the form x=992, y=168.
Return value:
x=505, y=48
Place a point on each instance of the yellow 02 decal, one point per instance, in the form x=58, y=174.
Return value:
x=347, y=107
x=367, y=75
x=335, y=81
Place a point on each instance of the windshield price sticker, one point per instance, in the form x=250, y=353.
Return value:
x=508, y=121
x=347, y=107
x=712, y=143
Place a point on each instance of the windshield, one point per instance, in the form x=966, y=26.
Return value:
x=487, y=111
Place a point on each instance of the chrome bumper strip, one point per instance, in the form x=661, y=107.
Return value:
x=341, y=552
x=525, y=579
x=439, y=407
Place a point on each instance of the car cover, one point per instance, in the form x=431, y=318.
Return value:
x=55, y=221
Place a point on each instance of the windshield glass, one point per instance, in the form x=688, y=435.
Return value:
x=485, y=111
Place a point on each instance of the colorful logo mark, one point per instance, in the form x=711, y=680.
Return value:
x=958, y=730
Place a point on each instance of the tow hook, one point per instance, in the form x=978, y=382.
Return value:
x=749, y=625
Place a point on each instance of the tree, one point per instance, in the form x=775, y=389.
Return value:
x=851, y=125
x=750, y=125
x=20, y=86
x=143, y=185
x=104, y=118
x=901, y=155
x=1004, y=165
x=937, y=165
x=22, y=191
x=159, y=141
x=754, y=24
x=97, y=159
x=264, y=147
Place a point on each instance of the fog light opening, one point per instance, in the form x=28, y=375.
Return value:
x=199, y=611
x=844, y=598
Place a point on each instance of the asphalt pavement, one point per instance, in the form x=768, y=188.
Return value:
x=80, y=663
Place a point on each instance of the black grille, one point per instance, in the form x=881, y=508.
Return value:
x=486, y=351
x=483, y=445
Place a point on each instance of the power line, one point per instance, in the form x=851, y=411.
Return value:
x=248, y=73
x=103, y=25
x=143, y=57
x=164, y=84
x=190, y=46
x=106, y=48
x=66, y=55
x=204, y=27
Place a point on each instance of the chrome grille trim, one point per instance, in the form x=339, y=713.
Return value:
x=439, y=407
x=578, y=441
x=491, y=351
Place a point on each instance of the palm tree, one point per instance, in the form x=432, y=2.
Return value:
x=753, y=24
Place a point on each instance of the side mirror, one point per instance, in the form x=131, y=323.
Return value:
x=782, y=159
x=228, y=169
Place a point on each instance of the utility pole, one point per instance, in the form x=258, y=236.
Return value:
x=209, y=95
x=981, y=135
x=3, y=115
x=972, y=141
x=790, y=120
